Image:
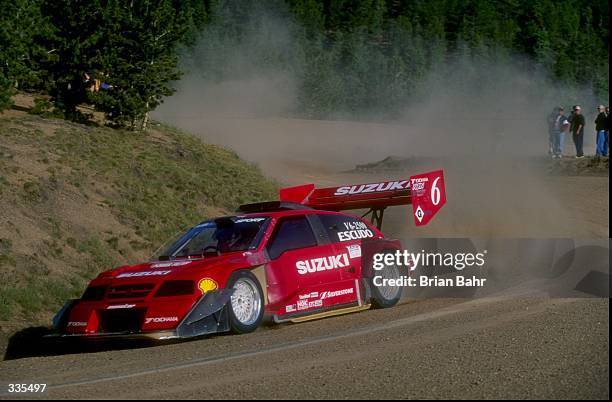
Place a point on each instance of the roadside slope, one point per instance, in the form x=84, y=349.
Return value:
x=75, y=200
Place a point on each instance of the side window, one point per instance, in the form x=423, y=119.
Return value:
x=290, y=234
x=344, y=228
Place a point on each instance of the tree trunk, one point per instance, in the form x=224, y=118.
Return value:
x=145, y=119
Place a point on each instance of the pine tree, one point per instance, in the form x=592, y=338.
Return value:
x=139, y=61
x=74, y=46
x=347, y=55
x=22, y=25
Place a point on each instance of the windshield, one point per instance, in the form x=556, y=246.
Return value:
x=223, y=235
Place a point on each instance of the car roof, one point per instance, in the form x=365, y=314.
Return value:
x=290, y=212
x=280, y=214
x=306, y=211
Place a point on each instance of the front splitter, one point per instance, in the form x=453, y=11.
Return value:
x=160, y=335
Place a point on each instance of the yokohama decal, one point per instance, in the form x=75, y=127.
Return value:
x=158, y=320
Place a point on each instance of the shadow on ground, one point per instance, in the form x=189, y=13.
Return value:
x=32, y=342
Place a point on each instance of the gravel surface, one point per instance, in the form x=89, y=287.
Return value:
x=440, y=348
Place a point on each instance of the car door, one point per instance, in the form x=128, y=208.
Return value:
x=346, y=234
x=301, y=267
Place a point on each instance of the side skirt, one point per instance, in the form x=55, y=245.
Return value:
x=318, y=314
x=331, y=313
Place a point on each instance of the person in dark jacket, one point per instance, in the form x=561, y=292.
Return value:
x=577, y=130
x=601, y=128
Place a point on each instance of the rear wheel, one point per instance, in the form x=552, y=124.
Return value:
x=386, y=296
x=246, y=306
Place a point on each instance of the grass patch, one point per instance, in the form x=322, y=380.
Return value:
x=38, y=295
x=31, y=191
x=6, y=253
x=97, y=257
x=163, y=186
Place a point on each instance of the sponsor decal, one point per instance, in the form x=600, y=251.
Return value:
x=355, y=235
x=170, y=264
x=373, y=187
x=418, y=185
x=119, y=306
x=322, y=264
x=419, y=214
x=354, y=250
x=305, y=304
x=306, y=301
x=77, y=324
x=157, y=320
x=144, y=273
x=207, y=285
x=249, y=220
x=428, y=195
x=354, y=231
x=336, y=293
x=311, y=295
x=355, y=225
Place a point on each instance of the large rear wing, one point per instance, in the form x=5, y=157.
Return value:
x=425, y=192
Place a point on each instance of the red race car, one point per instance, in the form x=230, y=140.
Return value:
x=290, y=260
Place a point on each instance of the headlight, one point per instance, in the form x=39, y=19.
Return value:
x=94, y=293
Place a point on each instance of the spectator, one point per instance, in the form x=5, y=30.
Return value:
x=571, y=116
x=559, y=127
x=94, y=83
x=607, y=146
x=577, y=129
x=601, y=126
x=550, y=119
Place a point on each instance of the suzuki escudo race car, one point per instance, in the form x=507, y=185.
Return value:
x=296, y=259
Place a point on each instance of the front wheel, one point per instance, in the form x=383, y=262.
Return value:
x=246, y=306
x=386, y=296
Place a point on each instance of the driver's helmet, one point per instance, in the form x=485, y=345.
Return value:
x=226, y=239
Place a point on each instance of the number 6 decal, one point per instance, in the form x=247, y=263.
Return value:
x=435, y=192
x=428, y=195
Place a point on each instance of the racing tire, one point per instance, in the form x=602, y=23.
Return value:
x=246, y=306
x=386, y=296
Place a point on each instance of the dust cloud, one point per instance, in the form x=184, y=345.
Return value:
x=482, y=121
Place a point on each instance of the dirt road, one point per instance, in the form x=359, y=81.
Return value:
x=442, y=348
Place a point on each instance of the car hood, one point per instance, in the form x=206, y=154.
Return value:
x=167, y=269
